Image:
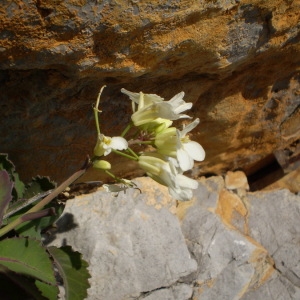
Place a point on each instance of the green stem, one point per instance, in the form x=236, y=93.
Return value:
x=96, y=110
x=125, y=155
x=133, y=153
x=20, y=204
x=111, y=175
x=139, y=142
x=47, y=199
x=126, y=129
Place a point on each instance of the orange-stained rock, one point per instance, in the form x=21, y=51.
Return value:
x=236, y=180
x=232, y=209
x=237, y=61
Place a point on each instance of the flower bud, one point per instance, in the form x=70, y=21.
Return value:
x=99, y=150
x=102, y=164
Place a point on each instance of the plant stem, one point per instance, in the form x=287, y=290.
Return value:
x=126, y=129
x=125, y=155
x=23, y=203
x=139, y=142
x=47, y=199
x=111, y=175
x=96, y=110
x=133, y=153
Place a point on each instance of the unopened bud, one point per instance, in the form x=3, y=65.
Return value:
x=102, y=164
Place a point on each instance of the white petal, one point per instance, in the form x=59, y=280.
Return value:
x=177, y=99
x=182, y=195
x=133, y=96
x=166, y=111
x=184, y=159
x=189, y=127
x=183, y=107
x=118, y=143
x=194, y=150
x=148, y=98
x=186, y=182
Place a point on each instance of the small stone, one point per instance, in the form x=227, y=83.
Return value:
x=236, y=180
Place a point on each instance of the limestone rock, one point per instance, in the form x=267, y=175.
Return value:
x=132, y=247
x=266, y=212
x=228, y=261
x=237, y=61
x=223, y=244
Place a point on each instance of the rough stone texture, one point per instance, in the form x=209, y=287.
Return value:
x=237, y=61
x=125, y=235
x=147, y=246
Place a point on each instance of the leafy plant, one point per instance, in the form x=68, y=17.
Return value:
x=26, y=264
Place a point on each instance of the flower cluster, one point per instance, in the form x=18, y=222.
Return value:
x=174, y=152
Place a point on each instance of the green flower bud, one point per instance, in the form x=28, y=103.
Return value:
x=99, y=150
x=102, y=164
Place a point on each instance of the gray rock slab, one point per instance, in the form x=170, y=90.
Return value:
x=274, y=221
x=176, y=292
x=139, y=249
x=132, y=247
x=275, y=288
x=226, y=258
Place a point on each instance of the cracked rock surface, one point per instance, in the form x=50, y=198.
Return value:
x=226, y=243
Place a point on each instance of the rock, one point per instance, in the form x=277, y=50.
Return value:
x=132, y=247
x=139, y=249
x=176, y=292
x=235, y=60
x=291, y=181
x=228, y=261
x=274, y=222
x=236, y=181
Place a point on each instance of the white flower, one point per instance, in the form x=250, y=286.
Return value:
x=176, y=143
x=152, y=107
x=187, y=150
x=141, y=99
x=166, y=172
x=183, y=185
x=166, y=142
x=105, y=144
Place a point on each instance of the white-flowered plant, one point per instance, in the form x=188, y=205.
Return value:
x=176, y=143
x=106, y=144
x=173, y=150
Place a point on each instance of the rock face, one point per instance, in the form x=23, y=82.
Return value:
x=226, y=243
x=237, y=61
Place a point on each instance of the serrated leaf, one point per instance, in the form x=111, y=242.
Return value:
x=6, y=164
x=50, y=292
x=19, y=186
x=37, y=185
x=73, y=270
x=5, y=192
x=28, y=257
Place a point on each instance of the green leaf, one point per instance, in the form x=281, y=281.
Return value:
x=50, y=292
x=34, y=228
x=5, y=192
x=37, y=185
x=6, y=164
x=15, y=286
x=19, y=186
x=28, y=257
x=73, y=270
